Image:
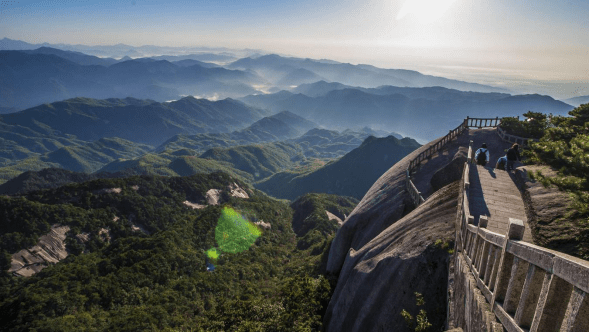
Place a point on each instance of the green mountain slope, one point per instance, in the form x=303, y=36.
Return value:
x=261, y=160
x=177, y=163
x=352, y=175
x=141, y=121
x=312, y=223
x=165, y=281
x=79, y=158
x=280, y=126
x=49, y=178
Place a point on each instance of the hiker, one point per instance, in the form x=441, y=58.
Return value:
x=482, y=155
x=511, y=156
x=501, y=163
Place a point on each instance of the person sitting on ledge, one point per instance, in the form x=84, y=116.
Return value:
x=482, y=155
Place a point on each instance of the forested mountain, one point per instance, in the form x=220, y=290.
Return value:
x=260, y=160
x=178, y=277
x=58, y=134
x=85, y=134
x=141, y=121
x=280, y=126
x=351, y=175
x=49, y=178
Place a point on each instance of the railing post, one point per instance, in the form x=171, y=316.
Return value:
x=515, y=232
x=573, y=307
x=482, y=259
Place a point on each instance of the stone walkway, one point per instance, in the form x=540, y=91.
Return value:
x=493, y=193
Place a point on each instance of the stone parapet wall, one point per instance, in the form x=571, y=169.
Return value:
x=526, y=287
x=468, y=306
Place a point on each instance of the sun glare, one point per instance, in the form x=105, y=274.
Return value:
x=424, y=10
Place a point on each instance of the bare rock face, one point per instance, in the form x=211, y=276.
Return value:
x=332, y=216
x=104, y=234
x=379, y=280
x=213, y=196
x=263, y=224
x=384, y=204
x=236, y=191
x=194, y=205
x=108, y=191
x=139, y=228
x=49, y=250
x=83, y=237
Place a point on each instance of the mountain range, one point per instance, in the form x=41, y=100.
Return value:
x=576, y=101
x=141, y=121
x=126, y=51
x=415, y=112
x=30, y=78
x=285, y=71
x=119, y=135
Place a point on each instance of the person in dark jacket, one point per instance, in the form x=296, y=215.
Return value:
x=511, y=156
x=482, y=155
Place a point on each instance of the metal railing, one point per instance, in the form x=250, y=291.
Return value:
x=529, y=287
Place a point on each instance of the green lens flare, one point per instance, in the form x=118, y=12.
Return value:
x=213, y=253
x=233, y=233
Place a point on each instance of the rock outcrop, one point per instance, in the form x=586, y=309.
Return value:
x=398, y=262
x=379, y=280
x=332, y=216
x=49, y=250
x=547, y=210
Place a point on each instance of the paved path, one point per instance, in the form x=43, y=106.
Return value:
x=492, y=193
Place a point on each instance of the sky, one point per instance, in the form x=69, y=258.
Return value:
x=500, y=42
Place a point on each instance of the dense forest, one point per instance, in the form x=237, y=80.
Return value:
x=163, y=278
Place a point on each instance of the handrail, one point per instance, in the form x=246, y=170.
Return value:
x=522, y=141
x=412, y=190
x=529, y=287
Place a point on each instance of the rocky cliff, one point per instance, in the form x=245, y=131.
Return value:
x=383, y=253
x=380, y=279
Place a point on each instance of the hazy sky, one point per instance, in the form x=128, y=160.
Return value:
x=518, y=40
